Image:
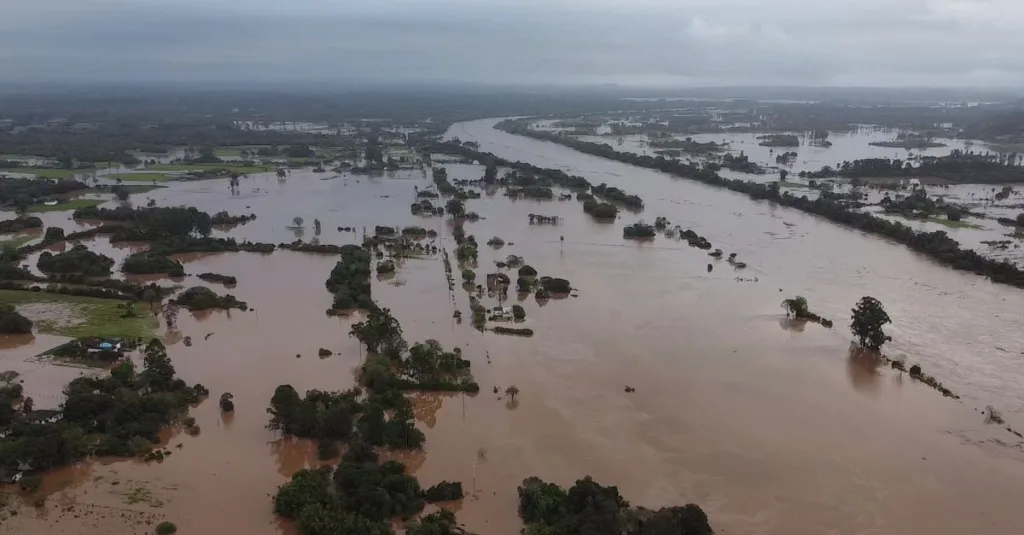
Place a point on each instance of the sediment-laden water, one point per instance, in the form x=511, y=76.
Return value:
x=771, y=425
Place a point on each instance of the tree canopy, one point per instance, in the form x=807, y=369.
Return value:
x=868, y=318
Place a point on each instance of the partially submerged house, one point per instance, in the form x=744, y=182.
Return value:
x=44, y=416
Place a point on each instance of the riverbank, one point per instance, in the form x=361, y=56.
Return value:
x=937, y=245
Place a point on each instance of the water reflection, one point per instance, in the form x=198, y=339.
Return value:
x=863, y=369
x=292, y=454
x=11, y=341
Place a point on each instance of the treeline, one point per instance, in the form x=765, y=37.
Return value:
x=119, y=415
x=349, y=281
x=78, y=259
x=203, y=298
x=153, y=223
x=589, y=507
x=19, y=224
x=24, y=192
x=114, y=141
x=543, y=176
x=937, y=245
x=966, y=167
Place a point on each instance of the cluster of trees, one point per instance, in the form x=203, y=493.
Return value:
x=350, y=279
x=11, y=322
x=344, y=416
x=741, y=163
x=530, y=192
x=362, y=495
x=393, y=366
x=19, y=224
x=149, y=263
x=961, y=166
x=10, y=393
x=937, y=244
x=779, y=140
x=588, y=507
x=785, y=158
x=120, y=415
x=686, y=145
x=203, y=298
x=227, y=280
x=530, y=175
x=154, y=223
x=867, y=320
x=638, y=230
x=78, y=259
x=24, y=192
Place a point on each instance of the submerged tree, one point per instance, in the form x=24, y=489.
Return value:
x=867, y=321
x=512, y=392
x=796, y=307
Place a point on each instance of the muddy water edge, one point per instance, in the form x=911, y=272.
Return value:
x=771, y=426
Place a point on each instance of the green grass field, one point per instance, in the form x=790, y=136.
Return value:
x=228, y=152
x=16, y=241
x=132, y=188
x=141, y=177
x=46, y=172
x=952, y=224
x=77, y=316
x=244, y=169
x=73, y=204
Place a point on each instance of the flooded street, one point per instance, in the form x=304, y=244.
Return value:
x=770, y=425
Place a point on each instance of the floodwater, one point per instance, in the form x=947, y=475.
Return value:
x=773, y=427
x=854, y=145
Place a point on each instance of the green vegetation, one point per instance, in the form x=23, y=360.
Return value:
x=11, y=322
x=78, y=259
x=19, y=224
x=129, y=188
x=588, y=507
x=230, y=168
x=226, y=280
x=16, y=241
x=229, y=152
x=638, y=231
x=868, y=318
x=47, y=172
x=350, y=280
x=84, y=316
x=166, y=528
x=142, y=177
x=24, y=192
x=118, y=415
x=779, y=140
x=937, y=245
x=796, y=307
x=203, y=298
x=73, y=204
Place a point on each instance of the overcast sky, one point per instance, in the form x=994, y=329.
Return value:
x=636, y=42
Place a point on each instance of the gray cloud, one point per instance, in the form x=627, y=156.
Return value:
x=703, y=42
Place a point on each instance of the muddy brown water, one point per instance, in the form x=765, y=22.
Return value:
x=770, y=425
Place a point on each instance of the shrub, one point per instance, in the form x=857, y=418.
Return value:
x=527, y=271
x=166, y=528
x=11, y=322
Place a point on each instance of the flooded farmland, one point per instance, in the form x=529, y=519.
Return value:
x=772, y=426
